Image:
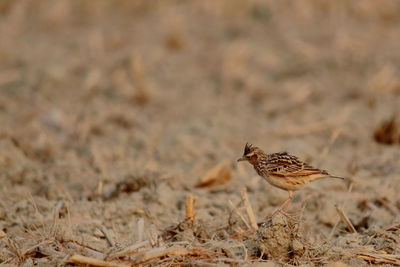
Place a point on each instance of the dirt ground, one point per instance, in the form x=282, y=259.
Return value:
x=121, y=123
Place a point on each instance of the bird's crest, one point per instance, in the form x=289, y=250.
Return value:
x=247, y=148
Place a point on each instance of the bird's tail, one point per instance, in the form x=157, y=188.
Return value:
x=328, y=175
x=336, y=177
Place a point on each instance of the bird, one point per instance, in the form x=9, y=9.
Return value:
x=283, y=170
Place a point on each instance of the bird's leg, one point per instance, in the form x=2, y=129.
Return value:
x=282, y=207
x=288, y=201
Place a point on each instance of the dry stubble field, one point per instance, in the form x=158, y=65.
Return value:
x=121, y=123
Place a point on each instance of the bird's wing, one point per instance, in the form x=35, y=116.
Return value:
x=286, y=165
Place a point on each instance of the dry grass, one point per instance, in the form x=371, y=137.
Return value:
x=121, y=123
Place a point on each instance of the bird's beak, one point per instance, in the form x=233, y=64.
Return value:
x=241, y=159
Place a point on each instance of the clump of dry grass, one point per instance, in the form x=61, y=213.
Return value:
x=280, y=239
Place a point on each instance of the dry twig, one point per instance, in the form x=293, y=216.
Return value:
x=79, y=259
x=140, y=229
x=108, y=237
x=249, y=210
x=129, y=250
x=380, y=258
x=337, y=223
x=234, y=209
x=190, y=208
x=71, y=244
x=345, y=219
x=56, y=212
x=160, y=252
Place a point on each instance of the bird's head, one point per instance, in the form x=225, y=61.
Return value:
x=251, y=154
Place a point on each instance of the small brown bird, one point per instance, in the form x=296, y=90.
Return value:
x=283, y=170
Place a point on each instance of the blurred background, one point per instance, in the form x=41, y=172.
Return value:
x=119, y=108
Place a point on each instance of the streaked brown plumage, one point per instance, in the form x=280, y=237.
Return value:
x=282, y=170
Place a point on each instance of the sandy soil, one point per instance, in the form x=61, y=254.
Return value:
x=115, y=113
